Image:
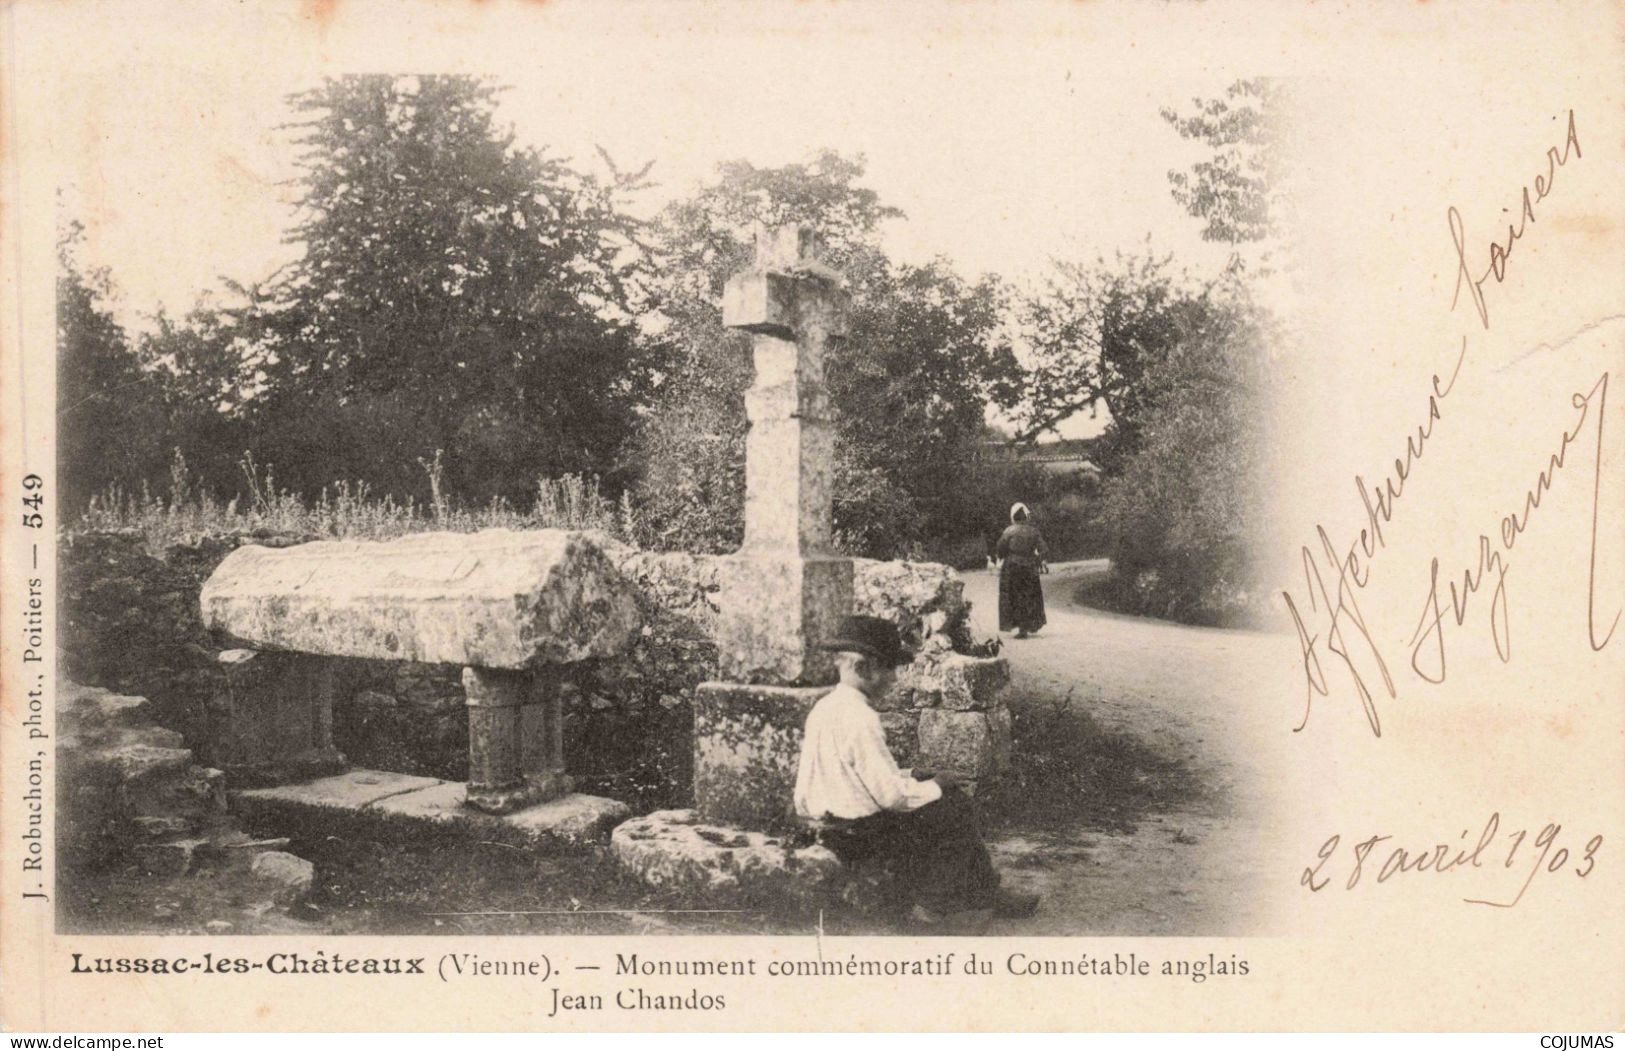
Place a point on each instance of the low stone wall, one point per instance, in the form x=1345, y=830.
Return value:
x=131, y=796
x=131, y=623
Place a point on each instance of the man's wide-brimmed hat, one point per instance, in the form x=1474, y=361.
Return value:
x=873, y=636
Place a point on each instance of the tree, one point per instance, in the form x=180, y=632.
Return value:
x=455, y=291
x=1180, y=367
x=1185, y=502
x=1234, y=192
x=200, y=357
x=1093, y=331
x=110, y=400
x=909, y=384
x=691, y=447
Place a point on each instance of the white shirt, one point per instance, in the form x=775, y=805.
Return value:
x=846, y=770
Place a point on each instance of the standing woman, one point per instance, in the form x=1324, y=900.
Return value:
x=1021, y=554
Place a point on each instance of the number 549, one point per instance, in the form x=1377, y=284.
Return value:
x=35, y=501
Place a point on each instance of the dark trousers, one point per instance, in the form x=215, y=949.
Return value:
x=935, y=851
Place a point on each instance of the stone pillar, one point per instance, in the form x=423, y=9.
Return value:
x=541, y=735
x=785, y=588
x=515, y=739
x=783, y=592
x=271, y=721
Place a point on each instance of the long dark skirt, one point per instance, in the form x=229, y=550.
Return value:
x=936, y=852
x=1021, y=597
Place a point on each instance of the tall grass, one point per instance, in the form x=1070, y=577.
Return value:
x=345, y=510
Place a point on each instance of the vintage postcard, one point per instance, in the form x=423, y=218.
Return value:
x=878, y=517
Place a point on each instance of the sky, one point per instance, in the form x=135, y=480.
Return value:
x=1005, y=145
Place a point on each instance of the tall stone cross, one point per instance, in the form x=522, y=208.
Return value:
x=783, y=591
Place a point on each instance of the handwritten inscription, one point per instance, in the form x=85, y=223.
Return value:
x=1376, y=860
x=1428, y=641
x=1339, y=607
x=1498, y=252
x=1334, y=634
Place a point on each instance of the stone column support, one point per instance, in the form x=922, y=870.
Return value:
x=272, y=719
x=515, y=738
x=541, y=730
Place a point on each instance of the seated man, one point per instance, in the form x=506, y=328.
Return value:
x=921, y=822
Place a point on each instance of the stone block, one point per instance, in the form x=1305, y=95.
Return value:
x=166, y=860
x=87, y=708
x=789, y=485
x=573, y=820
x=763, y=303
x=902, y=736
x=271, y=720
x=775, y=610
x=786, y=401
x=576, y=819
x=787, y=298
x=904, y=695
x=379, y=801
x=349, y=791
x=286, y=877
x=141, y=762
x=747, y=743
x=495, y=599
x=515, y=739
x=969, y=744
x=972, y=683
x=921, y=598
x=674, y=850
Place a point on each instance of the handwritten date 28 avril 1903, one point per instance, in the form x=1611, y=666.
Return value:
x=1547, y=855
x=1336, y=634
x=1332, y=630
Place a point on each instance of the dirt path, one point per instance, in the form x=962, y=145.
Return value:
x=1186, y=694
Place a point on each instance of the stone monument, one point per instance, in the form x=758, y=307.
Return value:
x=780, y=596
x=512, y=609
x=785, y=588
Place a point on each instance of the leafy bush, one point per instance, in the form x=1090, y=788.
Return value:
x=1185, y=508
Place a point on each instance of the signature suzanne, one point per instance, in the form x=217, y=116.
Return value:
x=1331, y=628
x=1428, y=641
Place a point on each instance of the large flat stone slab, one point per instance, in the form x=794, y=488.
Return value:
x=495, y=599
x=575, y=818
x=351, y=790
x=389, y=803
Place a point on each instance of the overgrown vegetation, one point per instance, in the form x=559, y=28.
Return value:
x=344, y=510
